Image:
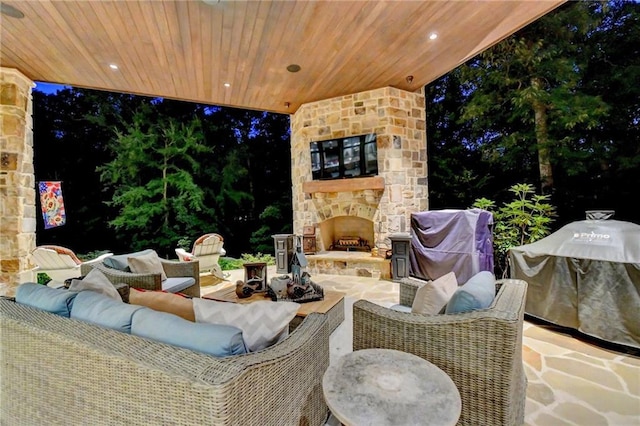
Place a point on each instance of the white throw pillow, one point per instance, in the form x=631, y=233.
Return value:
x=95, y=280
x=146, y=264
x=263, y=323
x=433, y=296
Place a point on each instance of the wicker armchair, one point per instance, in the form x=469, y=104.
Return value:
x=480, y=350
x=171, y=268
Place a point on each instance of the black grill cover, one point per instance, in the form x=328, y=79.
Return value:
x=585, y=276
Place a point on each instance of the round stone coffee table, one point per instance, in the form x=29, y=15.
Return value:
x=389, y=387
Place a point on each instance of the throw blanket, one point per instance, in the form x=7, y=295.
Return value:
x=52, y=204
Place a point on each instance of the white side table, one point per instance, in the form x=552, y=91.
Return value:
x=387, y=387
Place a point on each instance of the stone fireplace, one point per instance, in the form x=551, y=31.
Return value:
x=370, y=208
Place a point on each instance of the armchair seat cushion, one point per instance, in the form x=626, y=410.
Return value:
x=177, y=284
x=401, y=308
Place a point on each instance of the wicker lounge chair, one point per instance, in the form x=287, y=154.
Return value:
x=480, y=350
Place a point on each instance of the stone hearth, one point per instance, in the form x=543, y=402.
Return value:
x=357, y=263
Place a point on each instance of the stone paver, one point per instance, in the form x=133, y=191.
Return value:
x=571, y=382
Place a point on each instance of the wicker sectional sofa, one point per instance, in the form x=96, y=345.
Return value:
x=57, y=370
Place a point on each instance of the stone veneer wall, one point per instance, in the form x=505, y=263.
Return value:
x=17, y=186
x=398, y=119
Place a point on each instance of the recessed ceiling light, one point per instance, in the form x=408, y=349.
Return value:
x=293, y=68
x=113, y=66
x=11, y=11
x=433, y=36
x=227, y=84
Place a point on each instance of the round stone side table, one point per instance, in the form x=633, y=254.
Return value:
x=387, y=387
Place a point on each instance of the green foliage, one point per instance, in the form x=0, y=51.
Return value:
x=526, y=99
x=228, y=263
x=91, y=255
x=524, y=220
x=578, y=67
x=259, y=257
x=184, y=243
x=271, y=222
x=42, y=278
x=152, y=175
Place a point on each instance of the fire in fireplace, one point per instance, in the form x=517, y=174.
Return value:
x=347, y=243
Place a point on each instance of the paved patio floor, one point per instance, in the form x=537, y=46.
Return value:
x=571, y=381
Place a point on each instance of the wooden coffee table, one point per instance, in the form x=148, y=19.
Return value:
x=332, y=305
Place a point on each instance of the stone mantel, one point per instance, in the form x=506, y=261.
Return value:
x=343, y=185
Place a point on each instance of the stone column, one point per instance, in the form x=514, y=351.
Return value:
x=398, y=118
x=17, y=185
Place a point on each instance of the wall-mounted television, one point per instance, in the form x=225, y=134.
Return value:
x=348, y=157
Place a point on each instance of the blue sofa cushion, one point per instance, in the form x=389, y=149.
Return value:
x=213, y=339
x=477, y=293
x=102, y=310
x=120, y=261
x=54, y=300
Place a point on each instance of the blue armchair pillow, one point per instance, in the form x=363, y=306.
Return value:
x=477, y=293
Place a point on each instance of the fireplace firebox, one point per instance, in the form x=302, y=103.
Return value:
x=350, y=244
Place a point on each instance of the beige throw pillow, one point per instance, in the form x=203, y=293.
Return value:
x=146, y=264
x=433, y=296
x=96, y=281
x=163, y=302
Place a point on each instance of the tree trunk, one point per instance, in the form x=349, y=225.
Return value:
x=542, y=139
x=165, y=186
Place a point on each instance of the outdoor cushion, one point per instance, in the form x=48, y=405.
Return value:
x=434, y=295
x=148, y=263
x=96, y=281
x=212, y=339
x=56, y=301
x=102, y=310
x=477, y=293
x=401, y=308
x=263, y=323
x=120, y=261
x=164, y=302
x=177, y=284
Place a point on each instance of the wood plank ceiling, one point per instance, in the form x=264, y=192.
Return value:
x=189, y=49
